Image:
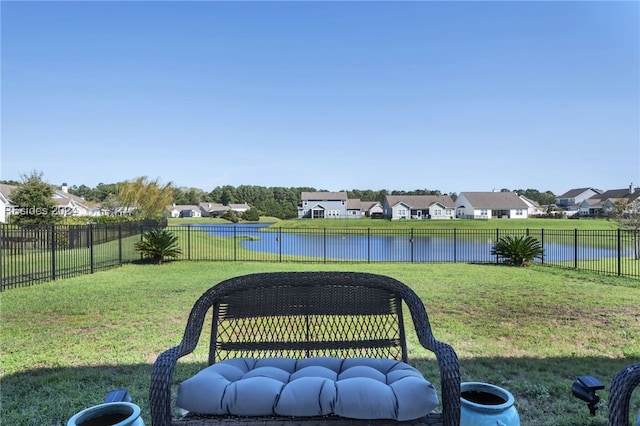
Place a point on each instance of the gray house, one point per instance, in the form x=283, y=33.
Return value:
x=419, y=207
x=491, y=205
x=321, y=205
x=571, y=199
x=357, y=208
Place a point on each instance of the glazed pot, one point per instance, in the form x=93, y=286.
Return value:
x=108, y=414
x=484, y=404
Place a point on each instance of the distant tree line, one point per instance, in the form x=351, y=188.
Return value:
x=280, y=202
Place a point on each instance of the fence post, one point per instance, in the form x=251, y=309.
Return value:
x=2, y=246
x=324, y=242
x=455, y=245
x=189, y=242
x=411, y=244
x=120, y=243
x=91, y=260
x=53, y=251
x=575, y=248
x=619, y=252
x=497, y=238
x=542, y=244
x=235, y=243
x=368, y=245
x=279, y=240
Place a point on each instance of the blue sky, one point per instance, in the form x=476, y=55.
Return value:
x=454, y=96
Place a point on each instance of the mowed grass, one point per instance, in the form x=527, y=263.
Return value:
x=66, y=343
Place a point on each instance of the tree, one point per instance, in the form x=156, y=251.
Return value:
x=33, y=201
x=252, y=215
x=147, y=198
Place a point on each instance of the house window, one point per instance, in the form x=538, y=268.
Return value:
x=483, y=212
x=519, y=212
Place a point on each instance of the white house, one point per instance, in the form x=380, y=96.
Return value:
x=490, y=205
x=5, y=201
x=533, y=207
x=184, y=210
x=65, y=204
x=419, y=207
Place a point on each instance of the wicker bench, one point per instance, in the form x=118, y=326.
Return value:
x=302, y=315
x=622, y=386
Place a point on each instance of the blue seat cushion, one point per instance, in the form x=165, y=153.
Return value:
x=358, y=388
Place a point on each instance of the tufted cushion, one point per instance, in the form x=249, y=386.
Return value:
x=359, y=388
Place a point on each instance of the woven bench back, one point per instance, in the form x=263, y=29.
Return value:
x=301, y=315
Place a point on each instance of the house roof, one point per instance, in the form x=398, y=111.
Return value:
x=573, y=193
x=354, y=204
x=60, y=197
x=213, y=207
x=324, y=196
x=420, y=201
x=185, y=207
x=494, y=200
x=63, y=198
x=6, y=190
x=239, y=206
x=613, y=193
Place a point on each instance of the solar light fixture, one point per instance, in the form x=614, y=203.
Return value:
x=585, y=389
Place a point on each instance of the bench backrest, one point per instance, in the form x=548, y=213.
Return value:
x=299, y=315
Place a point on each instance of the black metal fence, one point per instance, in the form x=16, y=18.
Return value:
x=28, y=256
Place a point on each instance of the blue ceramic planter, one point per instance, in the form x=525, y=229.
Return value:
x=483, y=404
x=109, y=414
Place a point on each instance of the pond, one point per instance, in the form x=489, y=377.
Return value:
x=396, y=245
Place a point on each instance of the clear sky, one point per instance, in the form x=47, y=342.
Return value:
x=454, y=96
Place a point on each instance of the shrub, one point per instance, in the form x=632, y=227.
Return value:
x=518, y=251
x=159, y=244
x=252, y=215
x=230, y=216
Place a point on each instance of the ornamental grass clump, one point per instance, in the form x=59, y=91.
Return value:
x=518, y=251
x=159, y=244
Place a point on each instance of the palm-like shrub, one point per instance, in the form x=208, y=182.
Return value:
x=159, y=244
x=518, y=251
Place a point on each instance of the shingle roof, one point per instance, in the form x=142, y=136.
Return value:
x=495, y=200
x=323, y=196
x=612, y=193
x=420, y=201
x=573, y=193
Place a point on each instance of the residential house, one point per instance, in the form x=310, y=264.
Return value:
x=5, y=201
x=571, y=199
x=65, y=204
x=72, y=205
x=357, y=208
x=372, y=209
x=606, y=202
x=184, y=210
x=418, y=207
x=238, y=209
x=212, y=209
x=321, y=205
x=533, y=207
x=490, y=205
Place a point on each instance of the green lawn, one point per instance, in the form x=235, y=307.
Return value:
x=591, y=224
x=66, y=343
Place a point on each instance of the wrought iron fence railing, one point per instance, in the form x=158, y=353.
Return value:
x=31, y=255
